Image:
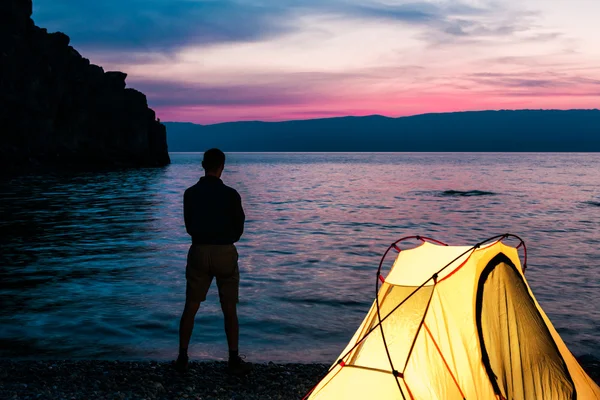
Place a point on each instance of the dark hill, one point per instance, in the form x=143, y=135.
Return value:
x=488, y=131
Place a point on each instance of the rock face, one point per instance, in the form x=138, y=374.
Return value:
x=57, y=109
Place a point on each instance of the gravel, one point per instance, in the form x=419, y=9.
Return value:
x=58, y=380
x=120, y=380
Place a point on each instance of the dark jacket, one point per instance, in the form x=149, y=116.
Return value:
x=213, y=212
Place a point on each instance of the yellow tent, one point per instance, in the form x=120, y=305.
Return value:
x=456, y=322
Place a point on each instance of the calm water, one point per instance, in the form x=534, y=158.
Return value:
x=92, y=265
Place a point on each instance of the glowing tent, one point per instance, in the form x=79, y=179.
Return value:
x=452, y=322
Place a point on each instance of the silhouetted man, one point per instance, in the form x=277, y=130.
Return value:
x=214, y=218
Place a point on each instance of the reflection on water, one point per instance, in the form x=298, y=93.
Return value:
x=92, y=265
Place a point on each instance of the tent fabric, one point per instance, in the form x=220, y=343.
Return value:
x=476, y=331
x=505, y=314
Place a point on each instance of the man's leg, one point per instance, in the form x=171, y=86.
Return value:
x=236, y=365
x=228, y=282
x=232, y=327
x=186, y=325
x=198, y=280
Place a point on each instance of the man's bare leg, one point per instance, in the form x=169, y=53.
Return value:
x=232, y=327
x=186, y=327
x=232, y=330
x=186, y=324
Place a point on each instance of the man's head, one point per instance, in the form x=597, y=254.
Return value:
x=213, y=162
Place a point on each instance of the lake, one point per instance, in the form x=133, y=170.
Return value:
x=93, y=265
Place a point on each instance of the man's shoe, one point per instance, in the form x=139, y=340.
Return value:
x=181, y=365
x=238, y=367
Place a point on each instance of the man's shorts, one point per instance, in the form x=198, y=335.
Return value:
x=207, y=261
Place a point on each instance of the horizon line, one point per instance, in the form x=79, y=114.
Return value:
x=392, y=152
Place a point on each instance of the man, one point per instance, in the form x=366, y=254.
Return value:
x=214, y=218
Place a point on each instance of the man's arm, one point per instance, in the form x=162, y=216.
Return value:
x=187, y=217
x=238, y=217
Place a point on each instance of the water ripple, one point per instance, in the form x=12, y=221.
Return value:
x=92, y=266
x=466, y=193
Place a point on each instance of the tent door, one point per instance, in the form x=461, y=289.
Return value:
x=518, y=351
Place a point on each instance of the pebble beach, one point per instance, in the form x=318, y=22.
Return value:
x=118, y=380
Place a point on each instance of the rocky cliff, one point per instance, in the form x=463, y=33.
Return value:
x=58, y=109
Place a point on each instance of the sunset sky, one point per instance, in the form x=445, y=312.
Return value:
x=208, y=61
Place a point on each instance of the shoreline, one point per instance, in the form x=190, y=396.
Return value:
x=123, y=380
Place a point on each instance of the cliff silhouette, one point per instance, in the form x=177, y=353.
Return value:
x=58, y=109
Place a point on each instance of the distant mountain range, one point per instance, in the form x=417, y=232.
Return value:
x=486, y=131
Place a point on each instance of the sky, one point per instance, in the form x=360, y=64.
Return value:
x=211, y=61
